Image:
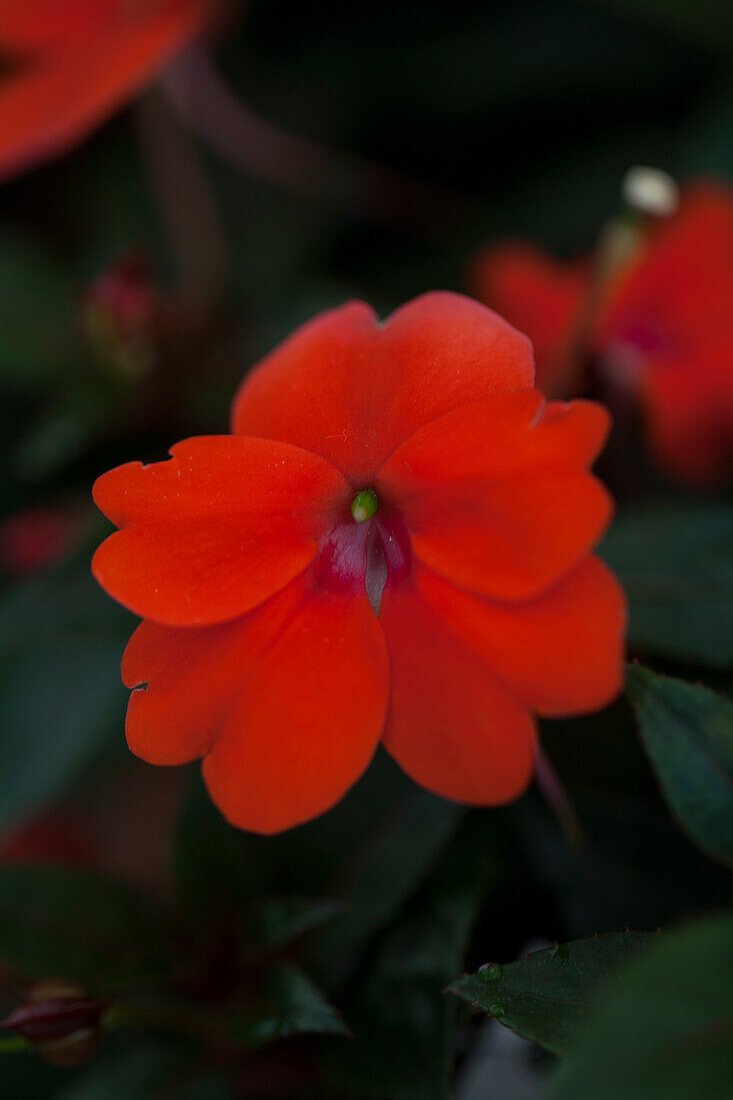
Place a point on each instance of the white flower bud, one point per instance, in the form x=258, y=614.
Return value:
x=650, y=191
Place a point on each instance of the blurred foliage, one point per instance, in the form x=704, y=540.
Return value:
x=676, y=565
x=663, y=1029
x=686, y=731
x=313, y=964
x=70, y=924
x=60, y=691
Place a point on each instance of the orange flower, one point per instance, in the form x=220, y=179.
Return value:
x=662, y=327
x=394, y=543
x=68, y=64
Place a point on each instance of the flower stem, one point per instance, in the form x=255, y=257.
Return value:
x=210, y=109
x=185, y=202
x=557, y=799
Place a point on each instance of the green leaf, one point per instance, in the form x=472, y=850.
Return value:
x=545, y=996
x=300, y=1005
x=365, y=858
x=663, y=1029
x=61, y=697
x=217, y=869
x=381, y=875
x=276, y=922
x=687, y=731
x=676, y=565
x=144, y=1069
x=58, y=922
x=64, y=428
x=402, y=1021
x=293, y=1005
x=636, y=868
x=133, y=1073
x=37, y=315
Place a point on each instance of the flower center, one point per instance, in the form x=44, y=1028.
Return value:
x=364, y=505
x=361, y=555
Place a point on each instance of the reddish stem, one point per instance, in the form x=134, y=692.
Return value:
x=557, y=799
x=210, y=109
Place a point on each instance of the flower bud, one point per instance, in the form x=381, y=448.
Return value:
x=650, y=191
x=121, y=316
x=36, y=538
x=60, y=1021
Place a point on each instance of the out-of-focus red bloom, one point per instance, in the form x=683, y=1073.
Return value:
x=68, y=64
x=50, y=838
x=662, y=327
x=37, y=537
x=395, y=542
x=541, y=297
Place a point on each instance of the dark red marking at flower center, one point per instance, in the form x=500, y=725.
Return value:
x=366, y=554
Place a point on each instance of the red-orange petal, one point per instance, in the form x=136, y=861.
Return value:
x=193, y=675
x=496, y=495
x=543, y=298
x=452, y=726
x=679, y=283
x=352, y=391
x=498, y=436
x=307, y=723
x=216, y=530
x=55, y=100
x=30, y=26
x=688, y=406
x=561, y=653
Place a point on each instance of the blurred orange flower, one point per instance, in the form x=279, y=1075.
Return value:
x=395, y=542
x=68, y=64
x=660, y=327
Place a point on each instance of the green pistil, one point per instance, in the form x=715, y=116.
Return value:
x=364, y=505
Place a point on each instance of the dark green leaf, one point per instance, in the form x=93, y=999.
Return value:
x=663, y=1029
x=545, y=996
x=401, y=1019
x=275, y=922
x=135, y=1073
x=635, y=868
x=299, y=1004
x=687, y=731
x=381, y=875
x=676, y=564
x=61, y=641
x=145, y=1069
x=365, y=858
x=37, y=316
x=63, y=430
x=58, y=922
x=293, y=1005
